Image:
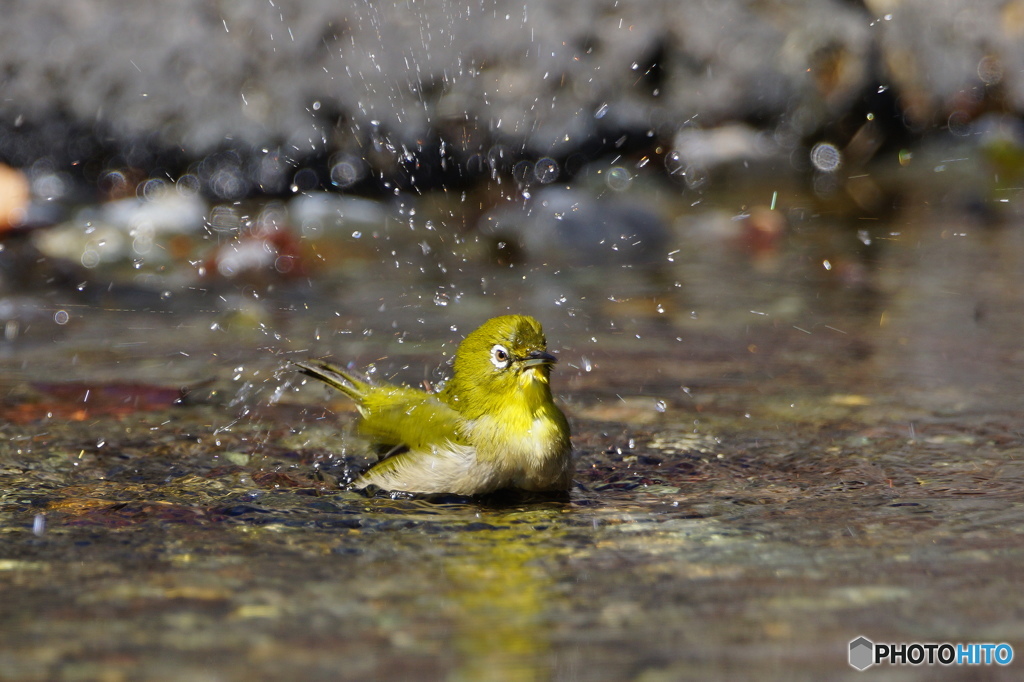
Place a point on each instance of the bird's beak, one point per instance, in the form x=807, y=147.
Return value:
x=538, y=357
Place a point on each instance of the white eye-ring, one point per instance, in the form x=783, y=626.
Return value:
x=500, y=357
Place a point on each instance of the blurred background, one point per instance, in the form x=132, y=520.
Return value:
x=204, y=157
x=154, y=152
x=136, y=135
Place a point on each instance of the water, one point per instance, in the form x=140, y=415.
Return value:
x=775, y=455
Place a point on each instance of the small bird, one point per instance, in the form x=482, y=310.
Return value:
x=493, y=426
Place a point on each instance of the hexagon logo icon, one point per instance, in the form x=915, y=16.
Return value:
x=862, y=653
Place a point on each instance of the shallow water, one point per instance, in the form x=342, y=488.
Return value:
x=785, y=439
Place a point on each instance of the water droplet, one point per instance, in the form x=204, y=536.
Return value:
x=347, y=171
x=152, y=188
x=695, y=176
x=660, y=405
x=284, y=264
x=441, y=299
x=188, y=185
x=959, y=123
x=546, y=170
x=826, y=157
x=619, y=179
x=61, y=317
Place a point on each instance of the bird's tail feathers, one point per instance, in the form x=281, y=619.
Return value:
x=344, y=381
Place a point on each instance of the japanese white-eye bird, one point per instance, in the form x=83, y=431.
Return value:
x=493, y=426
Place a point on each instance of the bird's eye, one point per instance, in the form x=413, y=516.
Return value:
x=499, y=356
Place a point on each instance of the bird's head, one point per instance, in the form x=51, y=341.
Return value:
x=503, y=361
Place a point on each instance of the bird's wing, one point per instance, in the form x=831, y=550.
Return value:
x=396, y=419
x=396, y=416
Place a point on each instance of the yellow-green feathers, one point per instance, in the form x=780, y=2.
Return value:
x=494, y=426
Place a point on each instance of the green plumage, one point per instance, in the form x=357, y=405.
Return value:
x=494, y=425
